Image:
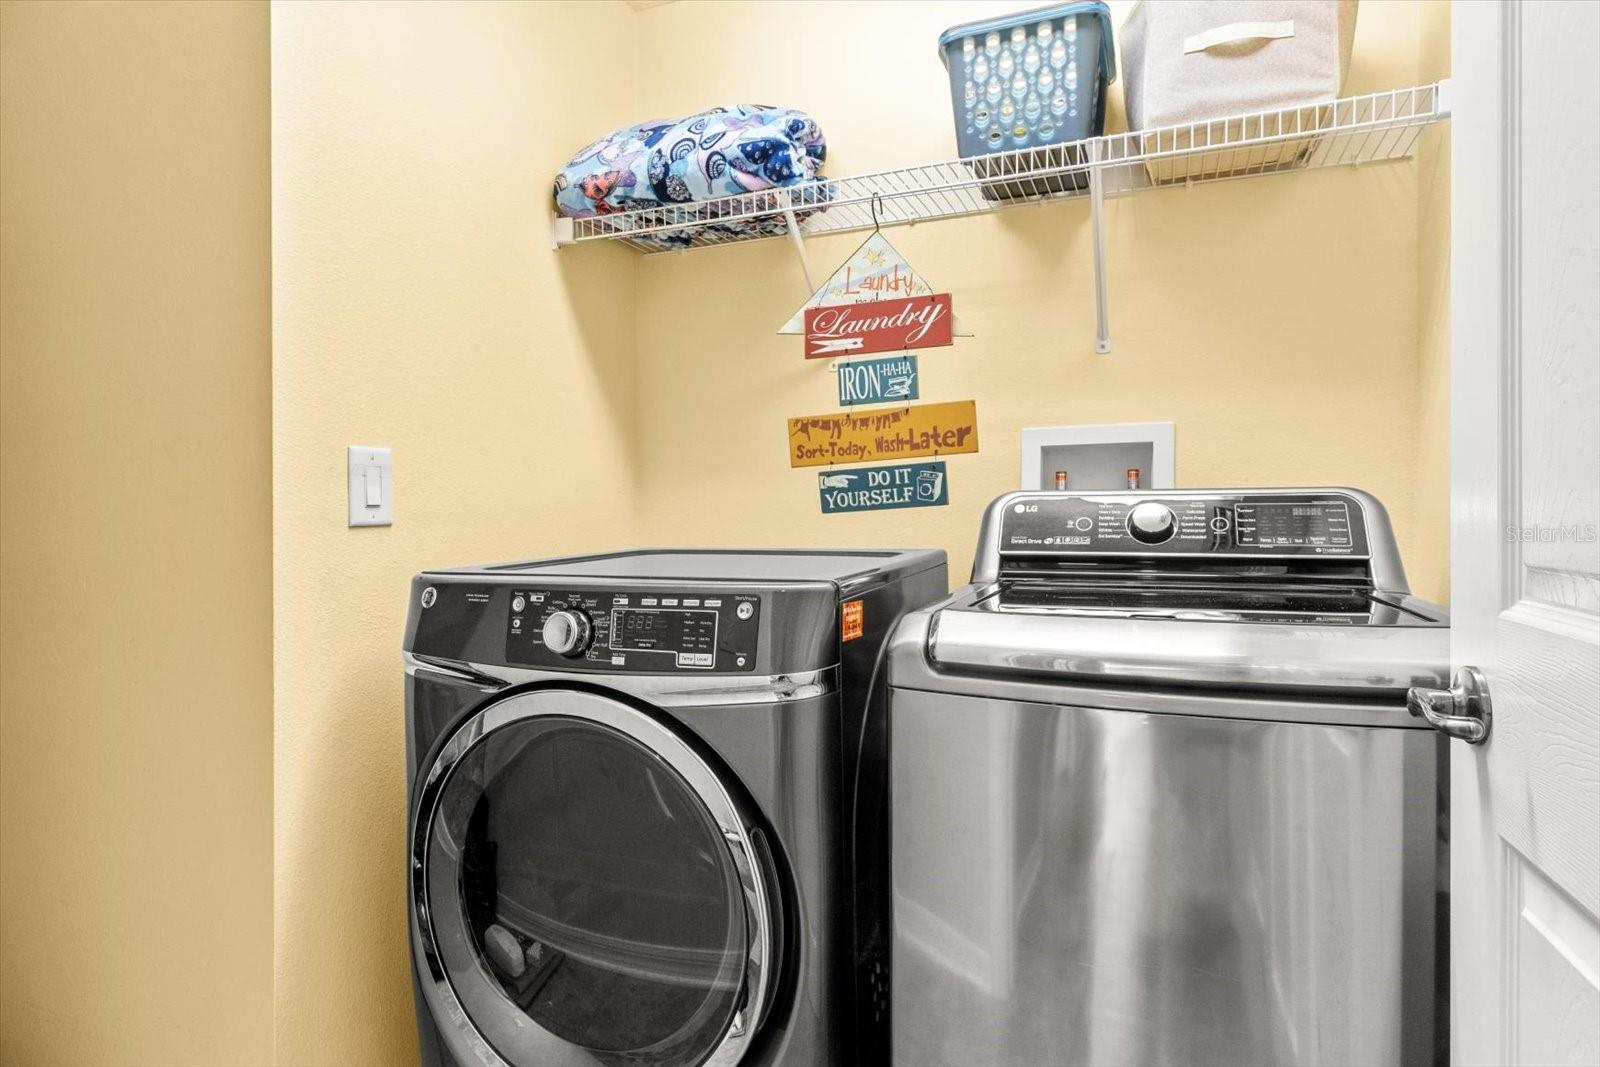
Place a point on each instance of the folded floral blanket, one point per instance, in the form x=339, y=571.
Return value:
x=723, y=152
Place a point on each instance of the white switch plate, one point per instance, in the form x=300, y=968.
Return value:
x=371, y=472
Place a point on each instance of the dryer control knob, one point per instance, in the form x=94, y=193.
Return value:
x=566, y=632
x=1151, y=522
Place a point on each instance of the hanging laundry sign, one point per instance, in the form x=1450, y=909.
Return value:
x=903, y=485
x=879, y=326
x=884, y=434
x=875, y=271
x=877, y=381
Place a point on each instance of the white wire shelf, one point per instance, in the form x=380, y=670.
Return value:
x=1356, y=130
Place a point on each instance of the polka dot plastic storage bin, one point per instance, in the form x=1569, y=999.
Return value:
x=1036, y=79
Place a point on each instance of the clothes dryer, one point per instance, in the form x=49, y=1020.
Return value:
x=630, y=803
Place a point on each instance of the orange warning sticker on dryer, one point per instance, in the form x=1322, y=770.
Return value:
x=852, y=619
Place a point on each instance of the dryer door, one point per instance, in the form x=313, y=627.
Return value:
x=586, y=889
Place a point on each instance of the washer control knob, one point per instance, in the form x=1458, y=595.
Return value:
x=1152, y=523
x=566, y=632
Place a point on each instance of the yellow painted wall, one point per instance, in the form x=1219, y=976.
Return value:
x=1276, y=322
x=417, y=304
x=1430, y=572
x=135, y=535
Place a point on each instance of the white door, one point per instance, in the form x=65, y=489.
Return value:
x=1525, y=559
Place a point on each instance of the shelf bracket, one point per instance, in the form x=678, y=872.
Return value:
x=799, y=246
x=560, y=232
x=1097, y=204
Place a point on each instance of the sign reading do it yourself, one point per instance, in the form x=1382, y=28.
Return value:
x=884, y=433
x=902, y=485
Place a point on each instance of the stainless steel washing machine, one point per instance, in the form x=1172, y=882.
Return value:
x=631, y=783
x=1156, y=795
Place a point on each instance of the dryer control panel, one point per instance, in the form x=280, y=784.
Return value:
x=644, y=630
x=1288, y=524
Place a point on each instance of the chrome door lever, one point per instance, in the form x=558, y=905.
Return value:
x=1462, y=711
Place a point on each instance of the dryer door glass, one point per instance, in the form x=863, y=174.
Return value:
x=583, y=899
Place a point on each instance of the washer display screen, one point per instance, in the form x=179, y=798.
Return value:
x=1293, y=524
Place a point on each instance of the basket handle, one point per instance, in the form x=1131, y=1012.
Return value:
x=1234, y=32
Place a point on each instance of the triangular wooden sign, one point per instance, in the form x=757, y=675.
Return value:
x=875, y=271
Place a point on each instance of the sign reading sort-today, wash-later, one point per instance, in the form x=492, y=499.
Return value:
x=884, y=433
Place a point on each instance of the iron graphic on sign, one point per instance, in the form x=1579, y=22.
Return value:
x=884, y=434
x=900, y=485
x=877, y=381
x=879, y=326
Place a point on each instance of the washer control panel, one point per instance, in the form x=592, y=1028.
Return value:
x=1254, y=525
x=649, y=631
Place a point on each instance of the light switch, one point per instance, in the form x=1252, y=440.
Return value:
x=371, y=478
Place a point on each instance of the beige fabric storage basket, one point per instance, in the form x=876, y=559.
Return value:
x=1190, y=61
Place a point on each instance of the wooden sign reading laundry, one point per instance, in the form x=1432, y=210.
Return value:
x=878, y=326
x=890, y=433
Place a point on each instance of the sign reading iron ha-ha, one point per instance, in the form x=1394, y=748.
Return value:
x=877, y=381
x=884, y=434
x=879, y=326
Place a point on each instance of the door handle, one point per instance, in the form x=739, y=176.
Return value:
x=1462, y=711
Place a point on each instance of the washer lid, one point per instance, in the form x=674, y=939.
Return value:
x=979, y=632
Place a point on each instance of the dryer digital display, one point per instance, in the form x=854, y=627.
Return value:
x=663, y=630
